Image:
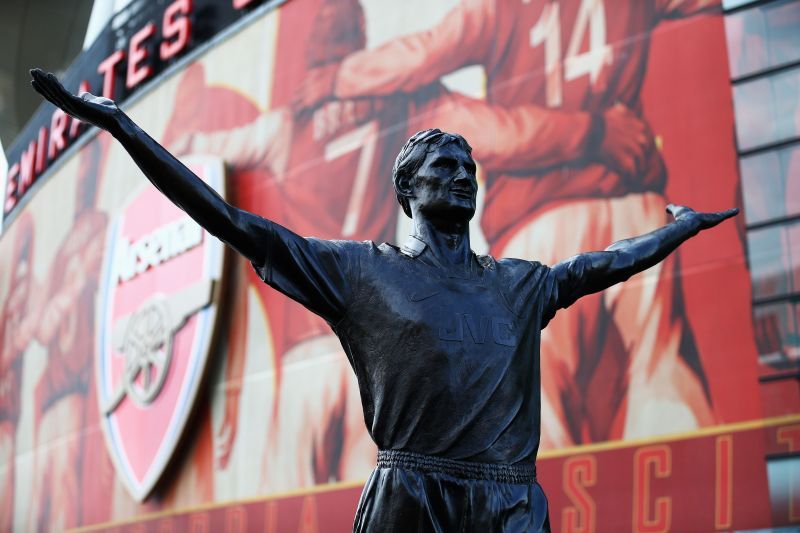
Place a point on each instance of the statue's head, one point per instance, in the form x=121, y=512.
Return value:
x=434, y=176
x=338, y=30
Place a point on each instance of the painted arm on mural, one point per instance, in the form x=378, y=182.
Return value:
x=525, y=137
x=265, y=142
x=464, y=37
x=593, y=272
x=520, y=137
x=503, y=139
x=615, y=137
x=531, y=136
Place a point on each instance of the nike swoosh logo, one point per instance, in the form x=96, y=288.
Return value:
x=416, y=297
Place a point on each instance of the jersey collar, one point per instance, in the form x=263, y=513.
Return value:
x=413, y=246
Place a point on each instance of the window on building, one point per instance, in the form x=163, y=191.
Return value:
x=771, y=184
x=767, y=109
x=763, y=37
x=764, y=54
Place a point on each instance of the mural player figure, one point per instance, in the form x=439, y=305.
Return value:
x=444, y=343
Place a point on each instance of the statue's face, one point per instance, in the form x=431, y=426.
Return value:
x=445, y=186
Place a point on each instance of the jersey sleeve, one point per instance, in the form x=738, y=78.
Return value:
x=525, y=284
x=684, y=8
x=316, y=273
x=562, y=285
x=265, y=142
x=507, y=138
x=464, y=37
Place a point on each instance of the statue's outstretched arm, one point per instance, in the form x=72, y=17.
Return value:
x=592, y=272
x=244, y=231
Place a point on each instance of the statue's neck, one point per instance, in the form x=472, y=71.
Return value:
x=448, y=242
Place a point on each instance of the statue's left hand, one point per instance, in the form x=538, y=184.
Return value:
x=95, y=110
x=704, y=220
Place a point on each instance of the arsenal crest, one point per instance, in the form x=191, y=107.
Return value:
x=157, y=316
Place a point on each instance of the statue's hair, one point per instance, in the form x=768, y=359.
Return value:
x=413, y=154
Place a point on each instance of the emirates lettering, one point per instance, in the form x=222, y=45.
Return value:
x=479, y=328
x=152, y=249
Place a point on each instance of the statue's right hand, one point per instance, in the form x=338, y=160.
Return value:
x=95, y=110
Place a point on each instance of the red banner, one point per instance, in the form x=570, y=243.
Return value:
x=713, y=480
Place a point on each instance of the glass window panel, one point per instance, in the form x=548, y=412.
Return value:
x=768, y=256
x=730, y=4
x=752, y=108
x=791, y=346
x=777, y=335
x=790, y=168
x=762, y=187
x=767, y=109
x=771, y=184
x=745, y=36
x=782, y=476
x=782, y=21
x=786, y=87
x=793, y=237
x=763, y=37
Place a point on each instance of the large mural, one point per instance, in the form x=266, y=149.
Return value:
x=586, y=118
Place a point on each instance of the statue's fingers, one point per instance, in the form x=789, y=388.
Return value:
x=37, y=74
x=54, y=98
x=37, y=87
x=59, y=96
x=45, y=81
x=47, y=91
x=39, y=82
x=44, y=90
x=56, y=88
x=55, y=82
x=671, y=209
x=712, y=219
x=65, y=100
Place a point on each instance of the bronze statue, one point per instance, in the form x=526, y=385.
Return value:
x=444, y=343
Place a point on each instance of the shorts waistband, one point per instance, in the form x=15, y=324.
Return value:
x=522, y=474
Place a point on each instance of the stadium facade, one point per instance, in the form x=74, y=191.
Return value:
x=150, y=381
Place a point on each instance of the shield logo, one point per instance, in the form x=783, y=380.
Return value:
x=157, y=319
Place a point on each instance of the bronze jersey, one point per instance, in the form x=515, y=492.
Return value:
x=447, y=362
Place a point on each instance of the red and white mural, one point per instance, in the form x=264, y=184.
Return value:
x=586, y=117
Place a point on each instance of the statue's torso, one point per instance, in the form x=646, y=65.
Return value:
x=447, y=362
